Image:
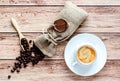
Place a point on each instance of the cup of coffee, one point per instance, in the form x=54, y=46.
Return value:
x=85, y=55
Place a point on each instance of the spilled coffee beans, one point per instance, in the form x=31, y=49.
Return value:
x=29, y=54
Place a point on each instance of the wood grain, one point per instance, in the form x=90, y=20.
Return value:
x=59, y=2
x=57, y=70
x=35, y=15
x=9, y=45
x=35, y=19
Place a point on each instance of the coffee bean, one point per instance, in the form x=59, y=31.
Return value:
x=14, y=68
x=30, y=41
x=12, y=71
x=25, y=65
x=20, y=66
x=18, y=71
x=9, y=76
x=16, y=65
x=8, y=66
x=33, y=63
x=23, y=41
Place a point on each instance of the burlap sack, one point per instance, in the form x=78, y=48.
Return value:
x=74, y=16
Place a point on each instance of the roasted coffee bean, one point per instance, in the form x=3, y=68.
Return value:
x=19, y=65
x=18, y=58
x=8, y=66
x=33, y=63
x=14, y=68
x=16, y=65
x=23, y=41
x=18, y=71
x=21, y=51
x=30, y=41
x=32, y=49
x=12, y=71
x=9, y=76
x=22, y=55
x=25, y=65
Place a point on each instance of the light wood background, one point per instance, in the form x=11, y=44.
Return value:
x=33, y=15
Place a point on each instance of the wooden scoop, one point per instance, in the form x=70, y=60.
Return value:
x=16, y=27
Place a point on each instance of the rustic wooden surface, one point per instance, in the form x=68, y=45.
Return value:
x=33, y=15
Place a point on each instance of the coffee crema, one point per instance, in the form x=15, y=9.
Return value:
x=86, y=54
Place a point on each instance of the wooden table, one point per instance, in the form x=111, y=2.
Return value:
x=33, y=15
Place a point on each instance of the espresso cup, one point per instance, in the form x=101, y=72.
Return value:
x=85, y=54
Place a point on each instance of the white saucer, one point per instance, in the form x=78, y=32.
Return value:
x=70, y=52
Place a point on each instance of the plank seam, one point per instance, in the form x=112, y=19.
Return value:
x=33, y=5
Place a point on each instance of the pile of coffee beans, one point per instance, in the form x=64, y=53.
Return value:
x=27, y=54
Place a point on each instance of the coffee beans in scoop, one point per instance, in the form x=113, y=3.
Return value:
x=28, y=55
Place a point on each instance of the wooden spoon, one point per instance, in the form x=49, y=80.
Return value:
x=16, y=27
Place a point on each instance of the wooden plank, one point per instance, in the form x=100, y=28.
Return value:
x=59, y=2
x=9, y=45
x=52, y=70
x=35, y=19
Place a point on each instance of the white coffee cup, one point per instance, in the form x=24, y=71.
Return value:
x=78, y=61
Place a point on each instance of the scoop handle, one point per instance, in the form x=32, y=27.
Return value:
x=16, y=27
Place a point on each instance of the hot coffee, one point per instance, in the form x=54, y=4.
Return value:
x=86, y=54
